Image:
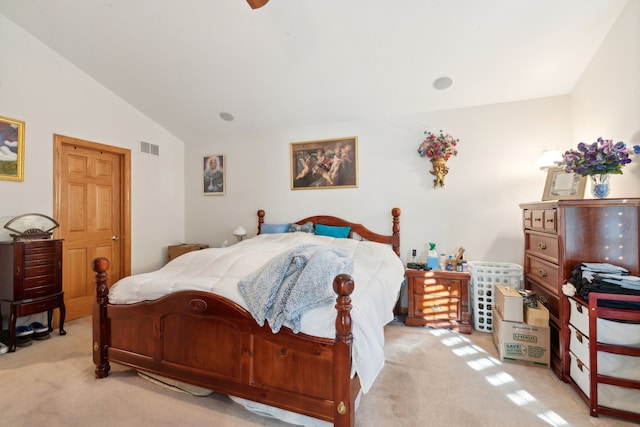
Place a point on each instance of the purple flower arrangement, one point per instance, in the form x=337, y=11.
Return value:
x=601, y=157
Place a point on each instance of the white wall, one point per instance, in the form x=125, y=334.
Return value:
x=51, y=96
x=494, y=171
x=478, y=208
x=606, y=102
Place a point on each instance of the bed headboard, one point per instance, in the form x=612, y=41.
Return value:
x=359, y=229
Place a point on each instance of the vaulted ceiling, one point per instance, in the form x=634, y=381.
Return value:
x=296, y=63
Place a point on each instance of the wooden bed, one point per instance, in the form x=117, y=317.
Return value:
x=208, y=341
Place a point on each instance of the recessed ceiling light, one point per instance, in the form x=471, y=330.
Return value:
x=227, y=117
x=442, y=83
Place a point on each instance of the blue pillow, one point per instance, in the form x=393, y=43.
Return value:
x=307, y=227
x=274, y=228
x=332, y=231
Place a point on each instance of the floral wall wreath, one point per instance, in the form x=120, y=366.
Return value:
x=438, y=148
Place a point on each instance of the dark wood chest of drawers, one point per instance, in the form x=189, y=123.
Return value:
x=31, y=281
x=439, y=299
x=561, y=234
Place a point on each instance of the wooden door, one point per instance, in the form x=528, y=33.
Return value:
x=91, y=204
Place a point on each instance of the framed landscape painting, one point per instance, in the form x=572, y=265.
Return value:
x=328, y=163
x=11, y=149
x=213, y=175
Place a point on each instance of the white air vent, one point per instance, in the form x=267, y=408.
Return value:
x=145, y=147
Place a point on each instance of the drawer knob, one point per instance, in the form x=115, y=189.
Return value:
x=542, y=273
x=437, y=307
x=542, y=246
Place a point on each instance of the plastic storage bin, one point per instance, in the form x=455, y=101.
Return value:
x=484, y=277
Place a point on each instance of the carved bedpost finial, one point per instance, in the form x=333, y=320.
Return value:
x=343, y=400
x=100, y=266
x=260, y=220
x=100, y=327
x=395, y=213
x=343, y=286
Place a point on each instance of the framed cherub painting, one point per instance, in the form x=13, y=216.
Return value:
x=328, y=163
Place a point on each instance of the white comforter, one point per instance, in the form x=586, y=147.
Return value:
x=378, y=275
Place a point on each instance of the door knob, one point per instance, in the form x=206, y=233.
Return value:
x=114, y=238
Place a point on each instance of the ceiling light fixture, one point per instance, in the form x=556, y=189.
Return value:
x=227, y=117
x=442, y=83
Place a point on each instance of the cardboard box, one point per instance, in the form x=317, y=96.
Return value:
x=521, y=343
x=536, y=316
x=508, y=302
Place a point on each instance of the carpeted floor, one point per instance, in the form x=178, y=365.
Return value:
x=432, y=377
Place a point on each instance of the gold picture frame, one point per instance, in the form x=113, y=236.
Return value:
x=11, y=149
x=214, y=175
x=561, y=185
x=327, y=163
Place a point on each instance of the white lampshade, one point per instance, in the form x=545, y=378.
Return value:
x=240, y=232
x=549, y=158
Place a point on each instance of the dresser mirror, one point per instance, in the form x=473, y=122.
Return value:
x=31, y=226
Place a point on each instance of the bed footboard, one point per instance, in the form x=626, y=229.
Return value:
x=206, y=340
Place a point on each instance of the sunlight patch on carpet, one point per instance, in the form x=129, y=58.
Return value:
x=479, y=360
x=500, y=378
x=553, y=419
x=521, y=397
x=480, y=364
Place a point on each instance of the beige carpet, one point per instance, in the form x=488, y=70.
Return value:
x=432, y=377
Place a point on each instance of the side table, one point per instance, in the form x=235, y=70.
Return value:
x=175, y=251
x=438, y=298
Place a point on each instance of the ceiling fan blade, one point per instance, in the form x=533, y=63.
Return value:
x=255, y=4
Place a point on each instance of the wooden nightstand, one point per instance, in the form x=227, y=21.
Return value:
x=439, y=299
x=31, y=281
x=176, y=250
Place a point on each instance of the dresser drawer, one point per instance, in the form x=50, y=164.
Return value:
x=544, y=220
x=442, y=308
x=527, y=219
x=38, y=281
x=579, y=316
x=39, y=270
x=542, y=245
x=24, y=309
x=543, y=272
x=579, y=345
x=36, y=261
x=546, y=298
x=38, y=246
x=41, y=291
x=441, y=287
x=580, y=374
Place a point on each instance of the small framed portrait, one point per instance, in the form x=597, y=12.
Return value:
x=561, y=185
x=328, y=163
x=11, y=149
x=214, y=177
